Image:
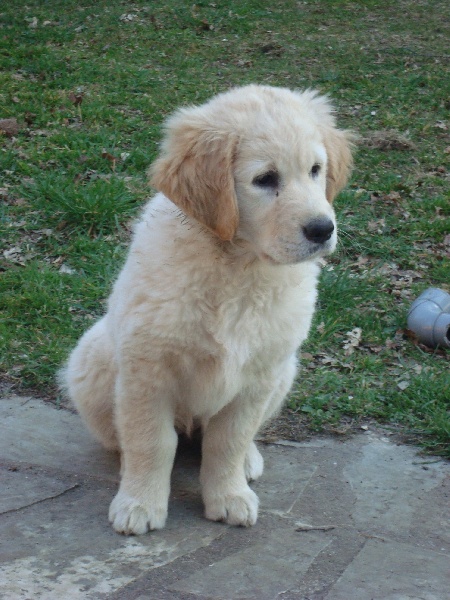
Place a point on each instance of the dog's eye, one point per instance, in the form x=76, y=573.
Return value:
x=271, y=179
x=315, y=171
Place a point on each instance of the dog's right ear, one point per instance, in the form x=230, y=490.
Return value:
x=195, y=171
x=338, y=145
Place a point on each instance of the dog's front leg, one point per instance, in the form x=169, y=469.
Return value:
x=145, y=424
x=226, y=443
x=229, y=455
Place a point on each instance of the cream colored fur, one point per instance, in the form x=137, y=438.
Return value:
x=214, y=300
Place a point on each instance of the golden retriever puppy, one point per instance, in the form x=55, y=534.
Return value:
x=215, y=298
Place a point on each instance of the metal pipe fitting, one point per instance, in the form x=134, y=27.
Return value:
x=429, y=318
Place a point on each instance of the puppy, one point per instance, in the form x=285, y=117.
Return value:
x=215, y=298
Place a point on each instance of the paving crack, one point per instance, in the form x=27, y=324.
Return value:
x=69, y=489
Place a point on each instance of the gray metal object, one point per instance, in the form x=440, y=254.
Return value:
x=429, y=318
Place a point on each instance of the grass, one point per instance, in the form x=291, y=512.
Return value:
x=89, y=85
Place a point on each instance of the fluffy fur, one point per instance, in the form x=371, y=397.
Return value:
x=215, y=298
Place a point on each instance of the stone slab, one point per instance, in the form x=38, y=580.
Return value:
x=21, y=489
x=358, y=519
x=392, y=571
x=37, y=433
x=261, y=571
x=390, y=485
x=65, y=548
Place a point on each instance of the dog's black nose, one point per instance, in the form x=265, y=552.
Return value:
x=319, y=230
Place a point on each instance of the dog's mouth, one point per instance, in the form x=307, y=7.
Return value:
x=291, y=253
x=269, y=259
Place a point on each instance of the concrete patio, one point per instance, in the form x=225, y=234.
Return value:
x=363, y=519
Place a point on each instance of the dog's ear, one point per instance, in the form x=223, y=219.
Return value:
x=338, y=145
x=195, y=171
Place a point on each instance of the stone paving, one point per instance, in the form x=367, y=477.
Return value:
x=363, y=519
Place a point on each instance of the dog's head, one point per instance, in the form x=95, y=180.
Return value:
x=261, y=165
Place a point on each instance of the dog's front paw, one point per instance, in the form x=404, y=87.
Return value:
x=254, y=463
x=131, y=516
x=235, y=509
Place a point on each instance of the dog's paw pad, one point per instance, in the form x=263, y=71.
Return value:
x=131, y=517
x=254, y=463
x=237, y=509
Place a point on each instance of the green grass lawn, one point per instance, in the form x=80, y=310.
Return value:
x=85, y=87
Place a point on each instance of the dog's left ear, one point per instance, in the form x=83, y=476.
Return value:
x=338, y=145
x=195, y=172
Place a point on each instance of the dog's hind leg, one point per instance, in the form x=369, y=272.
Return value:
x=254, y=463
x=89, y=380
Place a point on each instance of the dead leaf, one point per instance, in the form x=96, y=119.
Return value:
x=388, y=139
x=32, y=22
x=352, y=341
x=376, y=349
x=393, y=197
x=362, y=260
x=112, y=159
x=30, y=118
x=204, y=25
x=15, y=255
x=155, y=22
x=41, y=133
x=88, y=175
x=127, y=17
x=377, y=226
x=11, y=252
x=10, y=127
x=272, y=49
x=76, y=99
x=18, y=202
x=246, y=63
x=65, y=269
x=325, y=359
x=441, y=125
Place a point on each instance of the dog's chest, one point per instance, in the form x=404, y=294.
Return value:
x=255, y=317
x=247, y=332
x=242, y=340
x=245, y=327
